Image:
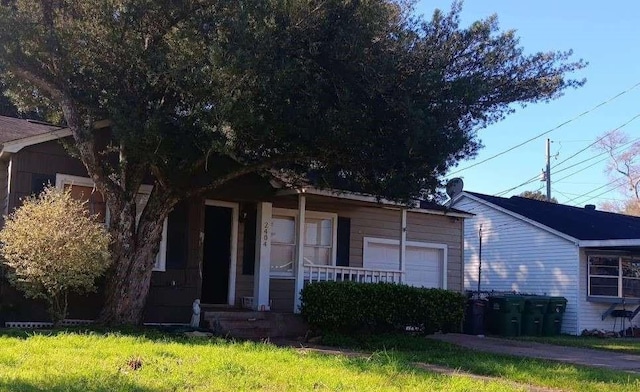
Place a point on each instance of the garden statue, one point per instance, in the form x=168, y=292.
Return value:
x=195, y=318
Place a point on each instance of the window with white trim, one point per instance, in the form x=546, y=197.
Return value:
x=614, y=276
x=83, y=188
x=320, y=235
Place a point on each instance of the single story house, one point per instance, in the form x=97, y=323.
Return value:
x=590, y=257
x=244, y=244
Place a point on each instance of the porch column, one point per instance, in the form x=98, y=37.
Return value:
x=299, y=281
x=263, y=258
x=403, y=241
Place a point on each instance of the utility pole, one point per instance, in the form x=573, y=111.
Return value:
x=548, y=170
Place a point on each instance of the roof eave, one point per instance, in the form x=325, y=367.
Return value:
x=609, y=243
x=565, y=236
x=13, y=146
x=368, y=199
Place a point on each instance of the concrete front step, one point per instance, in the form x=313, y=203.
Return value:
x=256, y=325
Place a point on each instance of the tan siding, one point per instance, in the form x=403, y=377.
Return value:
x=281, y=294
x=381, y=222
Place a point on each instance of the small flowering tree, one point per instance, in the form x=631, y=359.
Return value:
x=52, y=246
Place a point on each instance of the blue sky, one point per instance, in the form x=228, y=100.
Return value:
x=603, y=33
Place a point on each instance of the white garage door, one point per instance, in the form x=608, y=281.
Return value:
x=424, y=265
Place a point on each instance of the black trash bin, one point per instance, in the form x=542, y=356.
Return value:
x=552, y=324
x=474, y=317
x=535, y=307
x=505, y=314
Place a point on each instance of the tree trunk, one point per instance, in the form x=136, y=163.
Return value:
x=133, y=253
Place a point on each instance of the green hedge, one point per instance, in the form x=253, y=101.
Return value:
x=349, y=307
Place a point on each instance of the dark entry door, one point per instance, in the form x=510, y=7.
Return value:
x=216, y=255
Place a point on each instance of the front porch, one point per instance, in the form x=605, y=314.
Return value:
x=259, y=255
x=299, y=246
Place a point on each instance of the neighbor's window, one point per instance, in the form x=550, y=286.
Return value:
x=319, y=239
x=614, y=276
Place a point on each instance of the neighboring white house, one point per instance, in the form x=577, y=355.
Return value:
x=528, y=246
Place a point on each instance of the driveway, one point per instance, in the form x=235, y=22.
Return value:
x=578, y=356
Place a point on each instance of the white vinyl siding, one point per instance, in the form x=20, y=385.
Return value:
x=518, y=256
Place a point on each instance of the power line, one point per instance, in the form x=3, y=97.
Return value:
x=622, y=146
x=569, y=167
x=581, y=170
x=563, y=194
x=578, y=194
x=598, y=140
x=596, y=189
x=549, y=131
x=600, y=194
x=529, y=181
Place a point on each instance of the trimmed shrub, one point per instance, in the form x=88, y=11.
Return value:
x=349, y=308
x=51, y=246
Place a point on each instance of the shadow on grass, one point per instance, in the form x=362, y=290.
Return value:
x=72, y=384
x=143, y=333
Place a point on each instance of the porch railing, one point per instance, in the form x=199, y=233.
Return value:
x=326, y=273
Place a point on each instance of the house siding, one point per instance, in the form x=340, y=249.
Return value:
x=46, y=159
x=173, y=291
x=518, y=256
x=378, y=222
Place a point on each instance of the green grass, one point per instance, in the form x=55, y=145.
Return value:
x=625, y=345
x=522, y=370
x=106, y=361
x=93, y=361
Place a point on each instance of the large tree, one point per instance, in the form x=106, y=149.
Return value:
x=623, y=169
x=199, y=92
x=537, y=195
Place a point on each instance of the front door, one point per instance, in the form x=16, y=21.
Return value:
x=216, y=254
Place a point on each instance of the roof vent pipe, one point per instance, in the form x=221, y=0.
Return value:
x=590, y=207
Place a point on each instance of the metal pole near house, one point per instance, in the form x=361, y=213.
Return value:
x=479, y=259
x=548, y=171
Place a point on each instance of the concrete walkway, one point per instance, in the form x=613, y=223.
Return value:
x=573, y=355
x=420, y=365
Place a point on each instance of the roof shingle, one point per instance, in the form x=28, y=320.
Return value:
x=15, y=128
x=580, y=223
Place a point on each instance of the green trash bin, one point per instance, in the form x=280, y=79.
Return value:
x=535, y=307
x=552, y=324
x=505, y=314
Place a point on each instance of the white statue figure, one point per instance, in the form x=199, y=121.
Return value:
x=195, y=318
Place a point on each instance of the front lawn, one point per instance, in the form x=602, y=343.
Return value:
x=117, y=362
x=517, y=369
x=625, y=345
x=148, y=361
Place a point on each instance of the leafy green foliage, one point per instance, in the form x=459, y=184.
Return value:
x=51, y=246
x=344, y=94
x=537, y=195
x=352, y=308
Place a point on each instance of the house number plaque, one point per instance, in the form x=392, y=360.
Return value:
x=265, y=234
